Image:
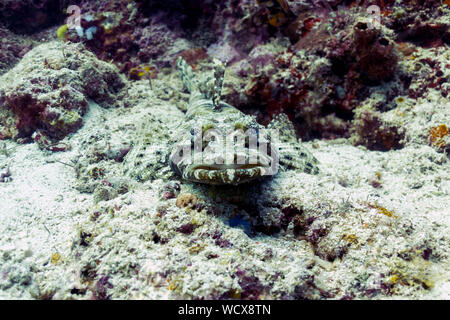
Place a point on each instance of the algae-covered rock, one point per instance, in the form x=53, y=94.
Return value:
x=49, y=90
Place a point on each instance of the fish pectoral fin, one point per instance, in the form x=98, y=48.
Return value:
x=296, y=157
x=285, y=128
x=292, y=154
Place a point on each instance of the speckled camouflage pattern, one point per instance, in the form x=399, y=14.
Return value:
x=214, y=162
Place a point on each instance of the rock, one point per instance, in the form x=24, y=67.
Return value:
x=50, y=88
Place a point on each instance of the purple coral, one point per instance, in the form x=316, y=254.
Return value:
x=377, y=58
x=101, y=288
x=371, y=131
x=5, y=176
x=251, y=286
x=28, y=16
x=12, y=49
x=171, y=190
x=187, y=228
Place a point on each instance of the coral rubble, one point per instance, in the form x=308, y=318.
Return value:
x=51, y=94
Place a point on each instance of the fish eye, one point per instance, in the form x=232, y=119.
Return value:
x=240, y=126
x=207, y=127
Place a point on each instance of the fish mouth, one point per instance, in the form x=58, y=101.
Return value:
x=230, y=174
x=241, y=168
x=218, y=167
x=226, y=174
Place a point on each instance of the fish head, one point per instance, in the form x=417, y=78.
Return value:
x=225, y=150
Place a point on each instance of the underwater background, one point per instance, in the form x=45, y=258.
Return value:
x=96, y=96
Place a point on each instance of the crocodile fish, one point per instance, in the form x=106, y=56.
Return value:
x=215, y=143
x=218, y=144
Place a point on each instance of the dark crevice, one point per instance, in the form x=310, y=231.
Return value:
x=35, y=16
